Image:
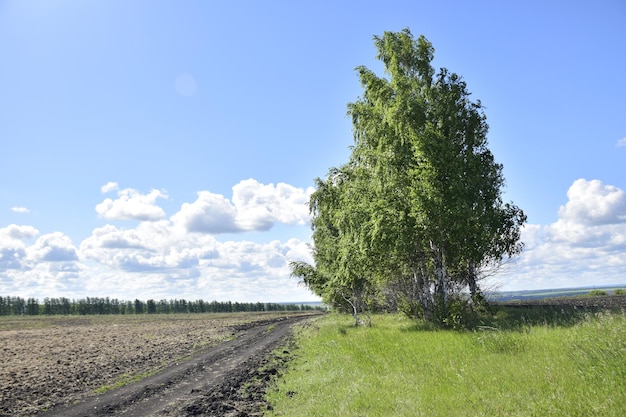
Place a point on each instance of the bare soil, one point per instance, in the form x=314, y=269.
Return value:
x=210, y=365
x=607, y=302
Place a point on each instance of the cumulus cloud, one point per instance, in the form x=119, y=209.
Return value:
x=16, y=232
x=161, y=257
x=210, y=213
x=52, y=247
x=131, y=205
x=254, y=207
x=151, y=246
x=13, y=245
x=20, y=210
x=621, y=142
x=259, y=206
x=152, y=260
x=586, y=246
x=592, y=203
x=47, y=266
x=108, y=187
x=166, y=259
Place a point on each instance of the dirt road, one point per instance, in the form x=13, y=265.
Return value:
x=210, y=384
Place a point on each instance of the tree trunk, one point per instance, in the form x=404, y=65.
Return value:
x=441, y=283
x=423, y=293
x=471, y=280
x=477, y=298
x=355, y=304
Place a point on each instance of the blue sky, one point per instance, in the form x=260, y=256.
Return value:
x=160, y=149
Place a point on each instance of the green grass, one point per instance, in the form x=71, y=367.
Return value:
x=124, y=380
x=558, y=365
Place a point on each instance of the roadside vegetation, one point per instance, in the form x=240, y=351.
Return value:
x=518, y=362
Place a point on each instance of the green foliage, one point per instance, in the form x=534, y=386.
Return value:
x=124, y=380
x=409, y=308
x=402, y=368
x=597, y=293
x=410, y=220
x=459, y=314
x=619, y=291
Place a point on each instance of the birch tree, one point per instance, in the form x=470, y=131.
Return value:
x=420, y=200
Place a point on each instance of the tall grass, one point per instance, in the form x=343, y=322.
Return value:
x=555, y=367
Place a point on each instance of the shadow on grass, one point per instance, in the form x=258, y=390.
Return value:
x=520, y=317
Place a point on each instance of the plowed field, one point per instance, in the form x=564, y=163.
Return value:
x=109, y=365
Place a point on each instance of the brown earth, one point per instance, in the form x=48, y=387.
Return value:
x=590, y=303
x=211, y=365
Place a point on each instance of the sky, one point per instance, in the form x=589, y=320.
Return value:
x=167, y=149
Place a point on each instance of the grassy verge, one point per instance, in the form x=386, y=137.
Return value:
x=514, y=366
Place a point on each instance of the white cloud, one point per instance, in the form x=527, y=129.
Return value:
x=592, y=202
x=52, y=247
x=152, y=260
x=254, y=206
x=15, y=232
x=20, y=210
x=586, y=246
x=167, y=260
x=13, y=246
x=259, y=206
x=46, y=267
x=131, y=205
x=108, y=187
x=149, y=247
x=164, y=258
x=210, y=213
x=621, y=142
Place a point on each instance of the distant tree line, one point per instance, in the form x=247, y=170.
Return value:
x=13, y=306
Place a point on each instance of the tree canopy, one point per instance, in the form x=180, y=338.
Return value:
x=415, y=215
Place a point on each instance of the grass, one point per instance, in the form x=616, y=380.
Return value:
x=517, y=364
x=124, y=380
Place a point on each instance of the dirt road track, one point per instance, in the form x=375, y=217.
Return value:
x=206, y=385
